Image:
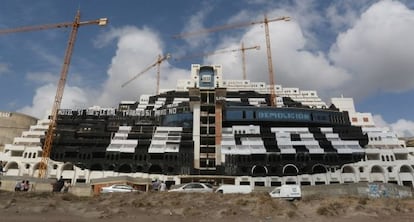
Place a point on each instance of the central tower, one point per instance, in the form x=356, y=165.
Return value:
x=206, y=101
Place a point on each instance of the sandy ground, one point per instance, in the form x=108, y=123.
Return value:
x=172, y=207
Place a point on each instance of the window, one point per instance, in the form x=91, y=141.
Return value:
x=195, y=186
x=365, y=119
x=206, y=78
x=354, y=119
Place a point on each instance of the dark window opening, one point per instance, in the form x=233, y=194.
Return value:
x=305, y=183
x=259, y=183
x=275, y=183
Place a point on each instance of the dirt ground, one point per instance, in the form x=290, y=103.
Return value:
x=174, y=207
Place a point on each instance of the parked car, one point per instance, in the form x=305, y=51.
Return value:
x=287, y=191
x=194, y=187
x=118, y=188
x=227, y=188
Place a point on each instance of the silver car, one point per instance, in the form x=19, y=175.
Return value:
x=117, y=188
x=194, y=187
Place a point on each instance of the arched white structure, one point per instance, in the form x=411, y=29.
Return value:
x=405, y=174
x=68, y=171
x=288, y=166
x=377, y=174
x=256, y=166
x=348, y=174
x=12, y=169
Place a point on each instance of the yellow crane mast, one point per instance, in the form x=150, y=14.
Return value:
x=47, y=146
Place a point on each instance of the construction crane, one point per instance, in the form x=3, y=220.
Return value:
x=47, y=146
x=266, y=22
x=242, y=49
x=157, y=63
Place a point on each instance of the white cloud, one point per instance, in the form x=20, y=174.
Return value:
x=73, y=98
x=254, y=2
x=42, y=77
x=378, y=50
x=44, y=54
x=136, y=50
x=194, y=26
x=403, y=127
x=344, y=14
x=293, y=65
x=4, y=68
x=373, y=55
x=113, y=34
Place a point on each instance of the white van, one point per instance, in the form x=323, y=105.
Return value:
x=287, y=191
x=227, y=188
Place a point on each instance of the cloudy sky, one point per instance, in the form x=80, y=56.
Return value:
x=355, y=48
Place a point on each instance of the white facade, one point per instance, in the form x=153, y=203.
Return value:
x=356, y=118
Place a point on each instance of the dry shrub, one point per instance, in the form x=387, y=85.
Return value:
x=363, y=200
x=331, y=209
x=311, y=197
x=228, y=212
x=396, y=205
x=52, y=205
x=10, y=203
x=360, y=207
x=149, y=204
x=323, y=210
x=291, y=214
x=192, y=211
x=69, y=197
x=38, y=195
x=268, y=207
x=137, y=203
x=242, y=202
x=118, y=211
x=176, y=203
